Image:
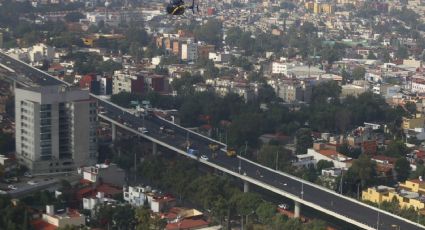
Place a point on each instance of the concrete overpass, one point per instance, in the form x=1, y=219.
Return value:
x=301, y=191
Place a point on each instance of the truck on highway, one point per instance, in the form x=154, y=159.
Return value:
x=230, y=152
x=213, y=147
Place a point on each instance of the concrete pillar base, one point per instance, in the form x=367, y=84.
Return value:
x=114, y=131
x=154, y=148
x=245, y=186
x=297, y=209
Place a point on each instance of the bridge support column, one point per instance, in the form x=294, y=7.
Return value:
x=245, y=186
x=154, y=148
x=297, y=209
x=114, y=132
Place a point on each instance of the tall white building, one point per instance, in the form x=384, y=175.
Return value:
x=189, y=51
x=41, y=52
x=55, y=128
x=279, y=68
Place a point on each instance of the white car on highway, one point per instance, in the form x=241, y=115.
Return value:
x=142, y=130
x=204, y=157
x=12, y=187
x=32, y=182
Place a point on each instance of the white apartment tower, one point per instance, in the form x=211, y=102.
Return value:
x=189, y=52
x=55, y=128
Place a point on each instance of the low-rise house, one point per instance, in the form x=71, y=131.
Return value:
x=339, y=160
x=303, y=160
x=180, y=218
x=405, y=198
x=384, y=165
x=89, y=203
x=329, y=176
x=92, y=190
x=54, y=219
x=139, y=196
x=106, y=173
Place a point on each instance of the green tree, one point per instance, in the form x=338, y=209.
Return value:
x=73, y=17
x=315, y=225
x=396, y=148
x=123, y=217
x=265, y=212
x=246, y=204
x=293, y=224
x=364, y=169
x=245, y=127
x=359, y=73
x=402, y=52
x=411, y=107
x=371, y=55
x=402, y=168
x=304, y=140
x=349, y=151
x=279, y=222
x=210, y=32
x=7, y=142
x=323, y=164
x=143, y=218
x=268, y=155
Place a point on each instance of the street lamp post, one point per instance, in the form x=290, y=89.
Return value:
x=377, y=221
x=277, y=161
x=358, y=191
x=246, y=147
x=302, y=190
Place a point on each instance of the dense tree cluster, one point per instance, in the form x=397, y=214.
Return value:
x=327, y=112
x=13, y=217
x=217, y=194
x=210, y=32
x=90, y=63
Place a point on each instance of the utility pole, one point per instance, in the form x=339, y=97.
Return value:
x=358, y=191
x=340, y=183
x=246, y=147
x=302, y=190
x=277, y=161
x=377, y=221
x=135, y=167
x=226, y=137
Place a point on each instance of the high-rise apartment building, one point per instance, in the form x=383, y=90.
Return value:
x=55, y=128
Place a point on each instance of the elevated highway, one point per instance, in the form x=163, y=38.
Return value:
x=301, y=191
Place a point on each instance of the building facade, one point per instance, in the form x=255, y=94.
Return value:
x=55, y=128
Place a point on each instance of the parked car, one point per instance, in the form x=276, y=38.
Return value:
x=283, y=206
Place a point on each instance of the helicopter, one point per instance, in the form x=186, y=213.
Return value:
x=178, y=7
